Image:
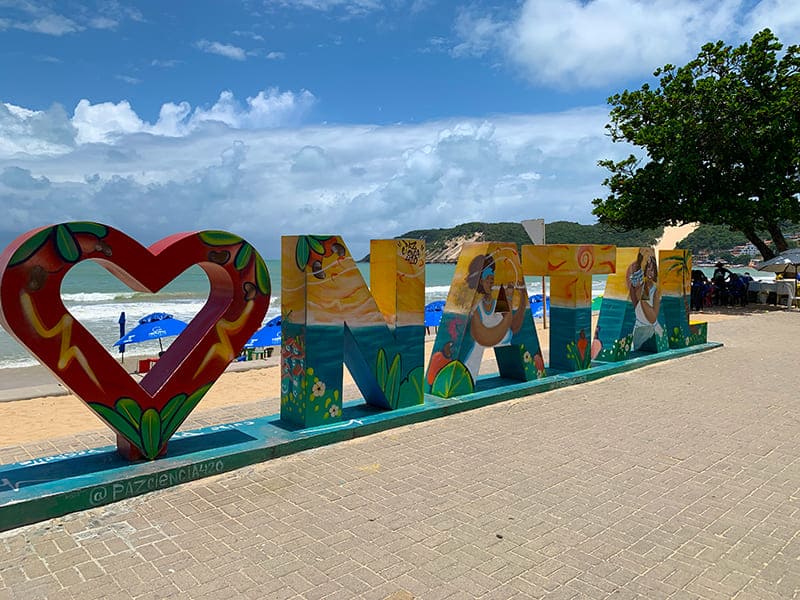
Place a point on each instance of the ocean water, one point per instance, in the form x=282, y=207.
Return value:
x=96, y=299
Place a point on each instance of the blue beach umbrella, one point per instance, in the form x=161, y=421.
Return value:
x=538, y=307
x=433, y=313
x=153, y=327
x=268, y=335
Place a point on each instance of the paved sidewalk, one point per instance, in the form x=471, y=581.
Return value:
x=679, y=480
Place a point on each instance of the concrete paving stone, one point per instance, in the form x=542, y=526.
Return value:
x=352, y=584
x=394, y=570
x=323, y=590
x=75, y=556
x=505, y=592
x=589, y=505
x=704, y=586
x=34, y=588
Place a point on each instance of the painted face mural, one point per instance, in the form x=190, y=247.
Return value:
x=144, y=415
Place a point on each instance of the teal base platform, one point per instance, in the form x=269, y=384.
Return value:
x=43, y=488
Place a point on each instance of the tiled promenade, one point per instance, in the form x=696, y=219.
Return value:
x=679, y=480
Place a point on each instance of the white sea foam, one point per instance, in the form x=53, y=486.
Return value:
x=94, y=297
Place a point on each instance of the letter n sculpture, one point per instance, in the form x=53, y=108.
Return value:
x=331, y=318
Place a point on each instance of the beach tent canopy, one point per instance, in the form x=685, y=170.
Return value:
x=433, y=313
x=785, y=262
x=268, y=335
x=153, y=327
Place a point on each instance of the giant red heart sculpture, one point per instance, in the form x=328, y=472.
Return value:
x=144, y=415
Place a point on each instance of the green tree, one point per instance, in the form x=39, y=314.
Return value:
x=722, y=138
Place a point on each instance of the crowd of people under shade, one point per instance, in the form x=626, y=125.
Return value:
x=725, y=288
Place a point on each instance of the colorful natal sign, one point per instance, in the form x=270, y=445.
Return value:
x=144, y=415
x=570, y=268
x=487, y=307
x=330, y=318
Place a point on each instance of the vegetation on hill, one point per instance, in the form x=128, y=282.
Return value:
x=565, y=232
x=712, y=239
x=558, y=232
x=717, y=241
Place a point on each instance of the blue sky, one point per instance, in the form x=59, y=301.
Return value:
x=364, y=118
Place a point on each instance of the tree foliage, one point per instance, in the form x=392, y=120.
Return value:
x=722, y=139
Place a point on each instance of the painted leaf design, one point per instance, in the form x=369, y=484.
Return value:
x=381, y=369
x=411, y=389
x=392, y=389
x=315, y=242
x=454, y=379
x=66, y=245
x=118, y=423
x=219, y=238
x=129, y=409
x=169, y=410
x=95, y=229
x=302, y=252
x=243, y=257
x=151, y=433
x=262, y=276
x=30, y=246
x=183, y=411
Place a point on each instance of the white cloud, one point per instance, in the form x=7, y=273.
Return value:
x=363, y=182
x=129, y=79
x=108, y=121
x=351, y=7
x=592, y=43
x=479, y=34
x=165, y=63
x=101, y=122
x=781, y=16
x=269, y=108
x=249, y=34
x=39, y=17
x=24, y=131
x=276, y=55
x=101, y=22
x=51, y=24
x=226, y=50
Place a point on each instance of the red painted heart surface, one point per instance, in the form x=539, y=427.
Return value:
x=146, y=414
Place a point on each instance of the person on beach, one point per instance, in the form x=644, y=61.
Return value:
x=646, y=298
x=700, y=288
x=720, y=279
x=492, y=322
